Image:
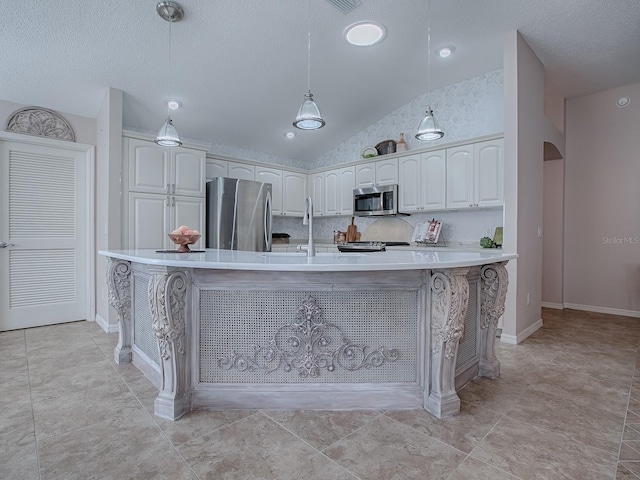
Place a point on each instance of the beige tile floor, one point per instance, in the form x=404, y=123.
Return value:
x=566, y=406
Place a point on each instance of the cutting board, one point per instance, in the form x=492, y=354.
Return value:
x=351, y=231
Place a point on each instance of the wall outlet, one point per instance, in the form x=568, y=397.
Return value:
x=528, y=298
x=539, y=232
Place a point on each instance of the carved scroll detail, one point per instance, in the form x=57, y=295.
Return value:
x=40, y=122
x=119, y=288
x=167, y=300
x=494, y=291
x=306, y=345
x=450, y=294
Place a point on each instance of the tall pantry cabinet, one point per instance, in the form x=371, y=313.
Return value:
x=164, y=188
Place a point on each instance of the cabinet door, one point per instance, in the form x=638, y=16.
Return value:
x=216, y=168
x=331, y=192
x=294, y=193
x=460, y=177
x=188, y=211
x=433, y=180
x=316, y=187
x=188, y=172
x=489, y=174
x=346, y=184
x=149, y=221
x=410, y=184
x=149, y=167
x=387, y=172
x=365, y=175
x=241, y=171
x=274, y=177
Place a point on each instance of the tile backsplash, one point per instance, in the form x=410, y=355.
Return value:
x=458, y=227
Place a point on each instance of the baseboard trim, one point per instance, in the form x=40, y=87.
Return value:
x=611, y=311
x=556, y=306
x=516, y=339
x=106, y=326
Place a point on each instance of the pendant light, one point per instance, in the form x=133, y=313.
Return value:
x=309, y=117
x=429, y=130
x=168, y=136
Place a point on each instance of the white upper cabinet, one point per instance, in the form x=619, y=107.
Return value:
x=216, y=168
x=338, y=191
x=422, y=182
x=316, y=190
x=365, y=175
x=274, y=177
x=331, y=192
x=163, y=170
x=475, y=175
x=387, y=171
x=346, y=184
x=294, y=193
x=188, y=172
x=382, y=172
x=489, y=178
x=242, y=171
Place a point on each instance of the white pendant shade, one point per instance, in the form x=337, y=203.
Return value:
x=308, y=117
x=168, y=136
x=429, y=130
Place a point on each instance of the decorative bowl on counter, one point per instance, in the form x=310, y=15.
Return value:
x=184, y=241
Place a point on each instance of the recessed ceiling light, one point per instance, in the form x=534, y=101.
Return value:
x=623, y=101
x=444, y=52
x=173, y=103
x=364, y=34
x=290, y=135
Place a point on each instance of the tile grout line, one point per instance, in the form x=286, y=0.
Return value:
x=33, y=415
x=624, y=425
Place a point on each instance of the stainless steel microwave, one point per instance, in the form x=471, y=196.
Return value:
x=380, y=200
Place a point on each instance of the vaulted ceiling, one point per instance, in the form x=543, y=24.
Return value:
x=239, y=67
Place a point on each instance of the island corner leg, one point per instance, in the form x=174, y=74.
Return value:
x=494, y=282
x=167, y=298
x=119, y=288
x=449, y=300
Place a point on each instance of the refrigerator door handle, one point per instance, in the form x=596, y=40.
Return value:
x=267, y=222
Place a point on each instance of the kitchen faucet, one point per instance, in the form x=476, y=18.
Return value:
x=307, y=219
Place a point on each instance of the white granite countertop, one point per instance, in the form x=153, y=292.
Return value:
x=322, y=262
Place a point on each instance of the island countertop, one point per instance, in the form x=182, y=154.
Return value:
x=322, y=262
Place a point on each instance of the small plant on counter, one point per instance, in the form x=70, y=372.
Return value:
x=486, y=242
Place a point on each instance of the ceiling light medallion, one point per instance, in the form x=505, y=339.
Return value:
x=365, y=34
x=168, y=136
x=309, y=117
x=429, y=130
x=445, y=52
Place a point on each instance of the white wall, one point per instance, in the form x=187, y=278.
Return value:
x=602, y=203
x=552, y=240
x=108, y=198
x=524, y=129
x=469, y=109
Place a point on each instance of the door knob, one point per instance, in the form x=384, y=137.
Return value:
x=5, y=245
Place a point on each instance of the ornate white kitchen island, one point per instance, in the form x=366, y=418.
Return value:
x=230, y=330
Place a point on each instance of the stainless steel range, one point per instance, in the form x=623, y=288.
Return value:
x=369, y=246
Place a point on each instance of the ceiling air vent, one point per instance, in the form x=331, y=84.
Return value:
x=345, y=6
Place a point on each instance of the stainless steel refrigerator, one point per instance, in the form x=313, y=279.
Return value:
x=238, y=215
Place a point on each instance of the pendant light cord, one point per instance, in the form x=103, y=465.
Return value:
x=428, y=55
x=169, y=76
x=309, y=48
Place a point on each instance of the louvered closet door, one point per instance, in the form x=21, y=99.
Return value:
x=42, y=218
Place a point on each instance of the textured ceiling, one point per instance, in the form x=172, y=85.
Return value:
x=240, y=66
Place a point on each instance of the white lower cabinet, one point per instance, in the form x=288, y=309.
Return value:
x=422, y=182
x=152, y=217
